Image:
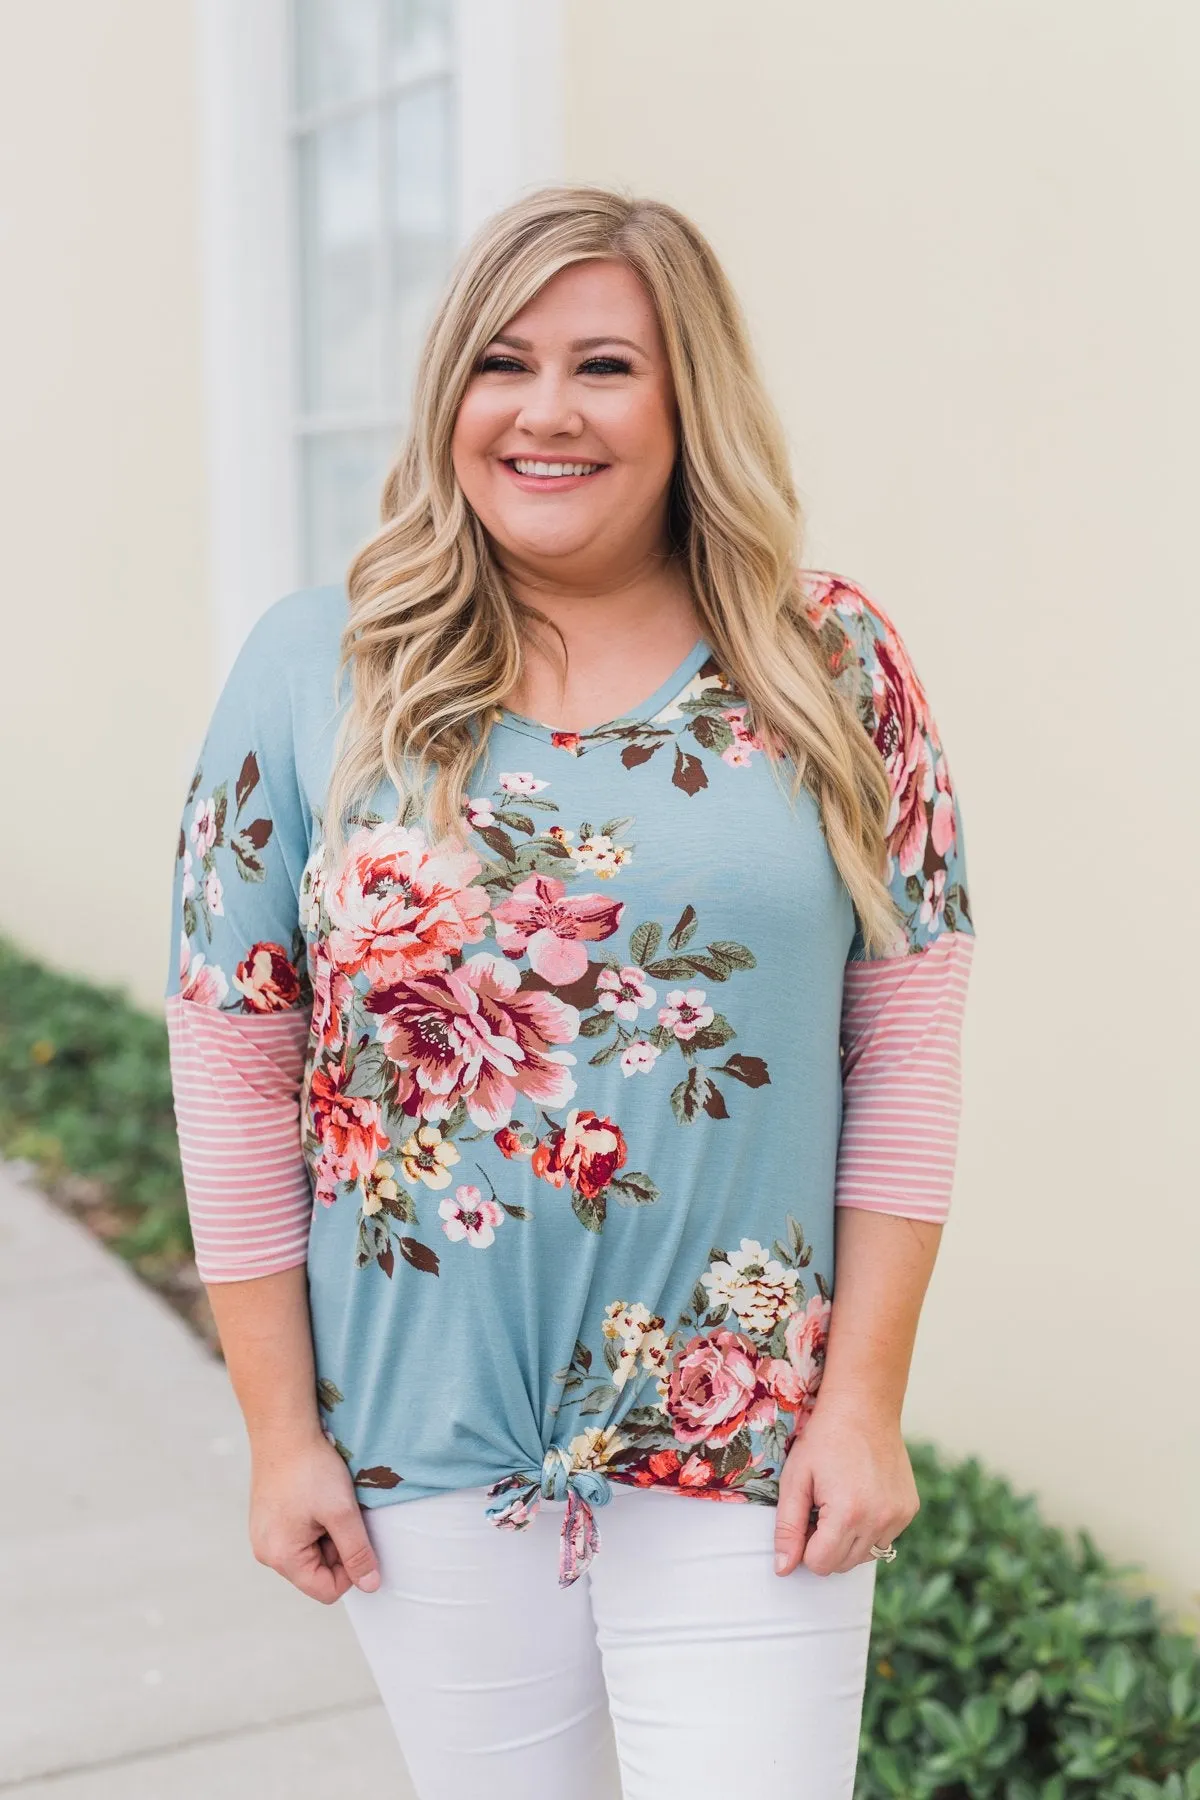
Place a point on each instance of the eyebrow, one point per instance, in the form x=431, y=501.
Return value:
x=590, y=343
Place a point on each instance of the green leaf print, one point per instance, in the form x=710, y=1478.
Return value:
x=634, y=1188
x=328, y=1395
x=718, y=1031
x=589, y=1210
x=597, y=1023
x=713, y=732
x=515, y=821
x=644, y=942
x=733, y=955
x=697, y=1093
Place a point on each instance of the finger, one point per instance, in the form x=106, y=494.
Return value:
x=793, y=1521
x=309, y=1570
x=830, y=1544
x=348, y=1531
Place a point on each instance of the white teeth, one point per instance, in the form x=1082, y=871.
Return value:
x=547, y=468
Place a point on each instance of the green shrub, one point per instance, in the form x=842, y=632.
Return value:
x=85, y=1089
x=1009, y=1662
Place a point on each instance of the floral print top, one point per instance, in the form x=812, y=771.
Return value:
x=554, y=1109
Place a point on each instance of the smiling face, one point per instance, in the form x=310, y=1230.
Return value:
x=565, y=439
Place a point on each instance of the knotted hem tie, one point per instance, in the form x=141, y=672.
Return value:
x=582, y=1489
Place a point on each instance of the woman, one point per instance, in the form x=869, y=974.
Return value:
x=549, y=999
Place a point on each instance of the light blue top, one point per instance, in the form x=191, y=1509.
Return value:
x=572, y=1097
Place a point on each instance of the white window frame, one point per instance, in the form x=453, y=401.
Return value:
x=508, y=85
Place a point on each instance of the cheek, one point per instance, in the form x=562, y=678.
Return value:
x=475, y=429
x=644, y=429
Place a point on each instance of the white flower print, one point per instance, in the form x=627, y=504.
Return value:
x=468, y=1215
x=203, y=828
x=624, y=991
x=685, y=1012
x=752, y=1284
x=428, y=1156
x=480, y=812
x=521, y=782
x=213, y=893
x=600, y=855
x=639, y=1058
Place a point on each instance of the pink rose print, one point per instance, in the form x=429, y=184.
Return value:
x=624, y=991
x=933, y=901
x=901, y=740
x=942, y=825
x=685, y=1012
x=584, y=1154
x=468, y=1215
x=567, y=740
x=509, y=1143
x=794, y=1381
x=472, y=1034
x=400, y=907
x=199, y=981
x=552, y=926
x=714, y=1389
x=333, y=995
x=349, y=1129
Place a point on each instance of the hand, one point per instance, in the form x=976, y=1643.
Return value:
x=855, y=1468
x=305, y=1520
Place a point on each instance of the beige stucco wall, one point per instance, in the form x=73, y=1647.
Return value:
x=963, y=235
x=106, y=640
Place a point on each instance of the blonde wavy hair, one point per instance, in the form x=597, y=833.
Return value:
x=434, y=637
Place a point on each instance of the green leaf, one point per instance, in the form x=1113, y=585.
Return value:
x=736, y=955
x=633, y=1188
x=644, y=941
x=595, y=1024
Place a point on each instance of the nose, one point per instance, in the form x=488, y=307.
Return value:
x=547, y=409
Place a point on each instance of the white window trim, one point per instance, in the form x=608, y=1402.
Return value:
x=509, y=85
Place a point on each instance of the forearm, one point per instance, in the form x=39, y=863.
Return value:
x=266, y=1336
x=883, y=1265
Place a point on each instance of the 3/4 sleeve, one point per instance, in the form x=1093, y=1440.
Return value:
x=238, y=997
x=902, y=1011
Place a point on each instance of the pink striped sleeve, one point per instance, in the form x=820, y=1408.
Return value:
x=236, y=1079
x=901, y=1079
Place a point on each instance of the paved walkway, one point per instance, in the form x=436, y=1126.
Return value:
x=143, y=1651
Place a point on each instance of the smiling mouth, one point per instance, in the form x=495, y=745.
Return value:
x=554, y=471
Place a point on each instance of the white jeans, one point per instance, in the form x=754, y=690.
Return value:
x=678, y=1666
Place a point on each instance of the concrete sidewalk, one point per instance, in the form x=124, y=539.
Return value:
x=143, y=1652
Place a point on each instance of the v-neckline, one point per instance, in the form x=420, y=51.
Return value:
x=663, y=694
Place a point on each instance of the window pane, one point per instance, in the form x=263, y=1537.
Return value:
x=418, y=35
x=421, y=225
x=342, y=476
x=339, y=254
x=337, y=50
